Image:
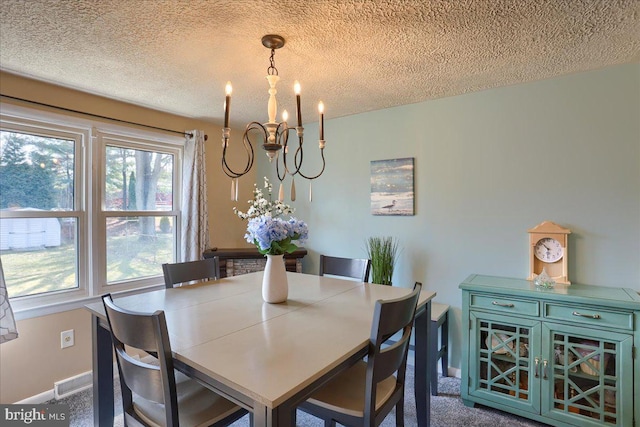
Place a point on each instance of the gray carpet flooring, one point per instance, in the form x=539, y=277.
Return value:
x=447, y=410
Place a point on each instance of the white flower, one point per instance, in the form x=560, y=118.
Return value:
x=260, y=206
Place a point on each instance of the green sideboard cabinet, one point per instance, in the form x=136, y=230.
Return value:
x=565, y=356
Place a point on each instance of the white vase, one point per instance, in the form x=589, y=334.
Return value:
x=275, y=288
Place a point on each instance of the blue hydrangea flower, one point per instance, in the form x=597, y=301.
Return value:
x=274, y=236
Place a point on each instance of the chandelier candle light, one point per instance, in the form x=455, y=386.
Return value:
x=273, y=135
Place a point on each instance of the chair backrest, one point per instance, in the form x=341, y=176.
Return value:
x=390, y=317
x=345, y=267
x=155, y=382
x=181, y=272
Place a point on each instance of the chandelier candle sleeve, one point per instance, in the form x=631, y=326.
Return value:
x=227, y=102
x=296, y=89
x=321, y=110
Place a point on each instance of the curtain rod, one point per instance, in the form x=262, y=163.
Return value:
x=190, y=135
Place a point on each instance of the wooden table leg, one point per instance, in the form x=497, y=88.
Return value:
x=282, y=416
x=422, y=371
x=102, y=349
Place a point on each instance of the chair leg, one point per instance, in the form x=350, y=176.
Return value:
x=400, y=413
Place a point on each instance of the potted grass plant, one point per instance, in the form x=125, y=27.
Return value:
x=382, y=252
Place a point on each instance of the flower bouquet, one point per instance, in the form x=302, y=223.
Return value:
x=273, y=236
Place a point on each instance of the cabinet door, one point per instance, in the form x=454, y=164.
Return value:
x=502, y=350
x=587, y=381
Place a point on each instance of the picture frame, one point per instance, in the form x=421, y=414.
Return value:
x=392, y=187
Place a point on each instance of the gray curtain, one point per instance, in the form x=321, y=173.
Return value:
x=195, y=219
x=8, y=330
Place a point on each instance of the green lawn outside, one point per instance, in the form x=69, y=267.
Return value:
x=38, y=271
x=54, y=269
x=129, y=257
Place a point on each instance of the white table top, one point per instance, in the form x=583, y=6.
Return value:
x=267, y=352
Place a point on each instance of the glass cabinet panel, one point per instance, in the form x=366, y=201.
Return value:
x=586, y=373
x=505, y=360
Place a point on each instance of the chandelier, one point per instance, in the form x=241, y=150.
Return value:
x=273, y=135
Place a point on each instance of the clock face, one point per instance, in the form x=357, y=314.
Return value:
x=548, y=250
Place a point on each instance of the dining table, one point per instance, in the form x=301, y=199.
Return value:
x=265, y=357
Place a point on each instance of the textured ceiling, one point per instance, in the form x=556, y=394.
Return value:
x=355, y=56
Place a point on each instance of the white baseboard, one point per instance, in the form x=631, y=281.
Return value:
x=451, y=372
x=80, y=385
x=38, y=398
x=454, y=372
x=73, y=385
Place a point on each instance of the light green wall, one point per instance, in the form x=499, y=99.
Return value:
x=488, y=166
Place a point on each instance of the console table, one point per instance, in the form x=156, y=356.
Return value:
x=236, y=261
x=566, y=356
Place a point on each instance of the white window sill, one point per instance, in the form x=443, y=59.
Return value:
x=44, y=310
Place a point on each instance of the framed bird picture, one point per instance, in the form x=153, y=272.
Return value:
x=392, y=187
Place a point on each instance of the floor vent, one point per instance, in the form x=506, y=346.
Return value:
x=69, y=386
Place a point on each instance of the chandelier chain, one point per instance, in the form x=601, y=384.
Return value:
x=272, y=70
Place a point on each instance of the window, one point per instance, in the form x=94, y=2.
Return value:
x=84, y=210
x=138, y=208
x=40, y=218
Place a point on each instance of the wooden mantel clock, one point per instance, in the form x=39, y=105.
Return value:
x=548, y=250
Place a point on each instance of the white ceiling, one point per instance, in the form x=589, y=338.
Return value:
x=355, y=56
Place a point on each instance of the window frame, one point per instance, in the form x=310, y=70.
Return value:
x=88, y=209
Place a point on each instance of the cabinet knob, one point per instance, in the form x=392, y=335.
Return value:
x=536, y=366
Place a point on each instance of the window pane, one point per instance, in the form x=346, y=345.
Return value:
x=138, y=246
x=36, y=172
x=38, y=254
x=138, y=180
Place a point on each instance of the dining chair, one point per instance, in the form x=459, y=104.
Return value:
x=364, y=394
x=181, y=272
x=345, y=267
x=153, y=393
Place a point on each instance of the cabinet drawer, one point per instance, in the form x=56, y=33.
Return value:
x=589, y=316
x=505, y=305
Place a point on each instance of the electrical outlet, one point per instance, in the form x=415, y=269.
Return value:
x=67, y=338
